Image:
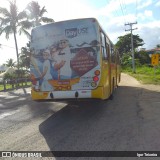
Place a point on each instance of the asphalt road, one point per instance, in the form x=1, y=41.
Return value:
x=129, y=122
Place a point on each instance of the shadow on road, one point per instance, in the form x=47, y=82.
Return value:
x=120, y=124
x=64, y=124
x=12, y=101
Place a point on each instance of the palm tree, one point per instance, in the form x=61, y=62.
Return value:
x=36, y=14
x=13, y=21
x=25, y=56
x=10, y=63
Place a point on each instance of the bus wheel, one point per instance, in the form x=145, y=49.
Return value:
x=111, y=97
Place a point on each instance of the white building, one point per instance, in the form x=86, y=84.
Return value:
x=3, y=68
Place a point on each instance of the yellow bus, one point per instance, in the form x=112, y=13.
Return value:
x=73, y=59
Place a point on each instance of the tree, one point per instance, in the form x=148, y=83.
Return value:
x=158, y=46
x=25, y=56
x=124, y=43
x=36, y=18
x=13, y=21
x=36, y=13
x=142, y=57
x=10, y=63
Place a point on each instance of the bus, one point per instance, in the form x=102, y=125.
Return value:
x=73, y=59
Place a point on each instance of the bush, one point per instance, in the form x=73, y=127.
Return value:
x=126, y=60
x=141, y=58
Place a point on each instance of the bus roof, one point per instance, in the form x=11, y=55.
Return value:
x=66, y=21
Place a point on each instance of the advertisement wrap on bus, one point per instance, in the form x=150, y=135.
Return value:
x=65, y=59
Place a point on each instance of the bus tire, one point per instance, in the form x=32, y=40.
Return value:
x=113, y=87
x=111, y=97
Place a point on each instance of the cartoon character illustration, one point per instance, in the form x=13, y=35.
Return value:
x=46, y=75
x=55, y=64
x=35, y=72
x=63, y=59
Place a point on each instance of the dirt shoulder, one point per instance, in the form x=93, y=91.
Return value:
x=128, y=80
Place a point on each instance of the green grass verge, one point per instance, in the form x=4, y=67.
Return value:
x=9, y=86
x=144, y=74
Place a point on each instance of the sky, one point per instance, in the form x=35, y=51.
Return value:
x=111, y=14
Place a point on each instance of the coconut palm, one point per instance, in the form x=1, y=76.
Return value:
x=36, y=14
x=13, y=21
x=25, y=56
x=10, y=63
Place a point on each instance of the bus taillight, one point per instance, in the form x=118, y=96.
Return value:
x=95, y=78
x=97, y=72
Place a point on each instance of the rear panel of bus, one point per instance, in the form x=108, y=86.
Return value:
x=74, y=46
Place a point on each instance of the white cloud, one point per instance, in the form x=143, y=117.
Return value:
x=144, y=4
x=148, y=13
x=149, y=32
x=150, y=36
x=150, y=25
x=158, y=4
x=71, y=9
x=108, y=9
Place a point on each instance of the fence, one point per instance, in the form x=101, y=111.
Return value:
x=14, y=84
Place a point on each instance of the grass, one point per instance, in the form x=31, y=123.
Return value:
x=145, y=74
x=9, y=86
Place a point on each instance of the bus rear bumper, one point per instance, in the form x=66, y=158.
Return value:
x=61, y=94
x=97, y=93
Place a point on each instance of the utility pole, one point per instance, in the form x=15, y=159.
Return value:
x=131, y=29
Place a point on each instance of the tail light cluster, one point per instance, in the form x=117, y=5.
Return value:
x=95, y=78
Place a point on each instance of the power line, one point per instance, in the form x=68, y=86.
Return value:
x=125, y=9
x=1, y=45
x=122, y=11
x=117, y=12
x=136, y=8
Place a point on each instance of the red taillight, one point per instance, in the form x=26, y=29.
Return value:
x=95, y=78
x=97, y=72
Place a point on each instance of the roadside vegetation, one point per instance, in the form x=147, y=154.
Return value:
x=14, y=80
x=145, y=72
x=12, y=22
x=10, y=86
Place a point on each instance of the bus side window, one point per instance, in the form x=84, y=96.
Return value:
x=107, y=48
x=104, y=46
x=118, y=58
x=112, y=54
